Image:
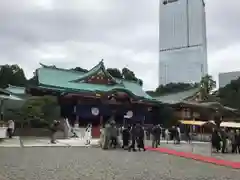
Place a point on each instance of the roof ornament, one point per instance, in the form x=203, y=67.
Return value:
x=46, y=66
x=43, y=65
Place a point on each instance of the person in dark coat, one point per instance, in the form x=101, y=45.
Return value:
x=126, y=136
x=173, y=134
x=224, y=140
x=113, y=134
x=140, y=137
x=216, y=139
x=163, y=134
x=156, y=133
x=188, y=134
x=238, y=141
x=232, y=138
x=178, y=135
x=54, y=128
x=133, y=138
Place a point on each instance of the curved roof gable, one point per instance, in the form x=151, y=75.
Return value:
x=98, y=69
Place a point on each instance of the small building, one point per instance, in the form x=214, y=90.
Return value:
x=227, y=77
x=187, y=106
x=95, y=96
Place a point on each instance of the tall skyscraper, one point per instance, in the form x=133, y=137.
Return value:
x=182, y=41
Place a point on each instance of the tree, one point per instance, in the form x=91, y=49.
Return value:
x=13, y=75
x=172, y=88
x=80, y=69
x=33, y=81
x=129, y=75
x=207, y=84
x=230, y=94
x=114, y=72
x=38, y=111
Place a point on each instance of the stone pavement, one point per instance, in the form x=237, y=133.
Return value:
x=45, y=142
x=60, y=163
x=14, y=142
x=202, y=148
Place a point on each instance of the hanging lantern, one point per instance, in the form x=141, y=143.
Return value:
x=95, y=111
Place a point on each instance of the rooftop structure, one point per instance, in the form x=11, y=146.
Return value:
x=227, y=77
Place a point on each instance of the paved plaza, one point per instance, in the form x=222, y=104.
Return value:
x=201, y=148
x=78, y=163
x=45, y=142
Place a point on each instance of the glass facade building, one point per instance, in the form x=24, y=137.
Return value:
x=182, y=41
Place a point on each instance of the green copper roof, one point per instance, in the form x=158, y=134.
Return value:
x=16, y=90
x=69, y=79
x=174, y=98
x=10, y=97
x=98, y=68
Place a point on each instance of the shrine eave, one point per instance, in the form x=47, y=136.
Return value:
x=58, y=91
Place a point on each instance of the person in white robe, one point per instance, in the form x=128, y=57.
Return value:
x=88, y=134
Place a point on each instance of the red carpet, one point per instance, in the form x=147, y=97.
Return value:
x=189, y=155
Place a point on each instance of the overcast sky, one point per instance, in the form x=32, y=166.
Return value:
x=69, y=33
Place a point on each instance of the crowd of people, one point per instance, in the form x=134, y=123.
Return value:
x=133, y=135
x=225, y=140
x=167, y=134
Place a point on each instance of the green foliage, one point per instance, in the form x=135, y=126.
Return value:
x=230, y=94
x=114, y=72
x=125, y=74
x=12, y=74
x=80, y=69
x=172, y=88
x=128, y=74
x=207, y=84
x=39, y=109
x=33, y=81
